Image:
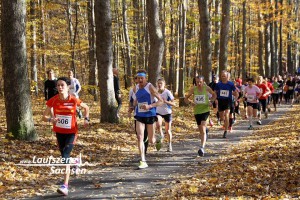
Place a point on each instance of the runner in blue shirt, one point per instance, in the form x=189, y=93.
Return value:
x=225, y=89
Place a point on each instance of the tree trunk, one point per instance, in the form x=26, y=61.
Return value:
x=127, y=46
x=43, y=36
x=244, y=43
x=105, y=59
x=93, y=71
x=182, y=43
x=33, y=54
x=217, y=36
x=224, y=35
x=260, y=45
x=172, y=52
x=280, y=43
x=156, y=41
x=16, y=83
x=205, y=31
x=267, y=48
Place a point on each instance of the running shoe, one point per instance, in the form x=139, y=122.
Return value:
x=259, y=122
x=201, y=152
x=246, y=117
x=224, y=134
x=143, y=165
x=158, y=143
x=219, y=123
x=63, y=190
x=250, y=127
x=230, y=128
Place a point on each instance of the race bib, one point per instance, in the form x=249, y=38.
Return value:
x=224, y=93
x=291, y=87
x=250, y=97
x=64, y=121
x=140, y=109
x=276, y=91
x=199, y=99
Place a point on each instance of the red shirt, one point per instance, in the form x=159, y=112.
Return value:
x=65, y=111
x=270, y=86
x=263, y=88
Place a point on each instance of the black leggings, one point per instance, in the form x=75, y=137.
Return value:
x=65, y=143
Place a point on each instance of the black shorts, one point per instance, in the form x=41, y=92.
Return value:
x=253, y=105
x=65, y=144
x=201, y=117
x=146, y=120
x=167, y=117
x=224, y=104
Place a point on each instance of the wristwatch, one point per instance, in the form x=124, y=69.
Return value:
x=87, y=119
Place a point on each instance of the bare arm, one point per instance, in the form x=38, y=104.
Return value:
x=187, y=96
x=214, y=96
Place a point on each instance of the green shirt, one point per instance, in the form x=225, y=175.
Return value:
x=201, y=100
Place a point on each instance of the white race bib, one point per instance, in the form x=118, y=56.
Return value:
x=64, y=121
x=140, y=109
x=250, y=97
x=224, y=93
x=199, y=99
x=291, y=87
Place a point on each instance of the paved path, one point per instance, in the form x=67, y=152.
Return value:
x=126, y=182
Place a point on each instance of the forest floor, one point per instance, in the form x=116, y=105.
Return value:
x=259, y=164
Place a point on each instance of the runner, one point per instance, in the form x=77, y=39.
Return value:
x=75, y=88
x=224, y=90
x=145, y=108
x=276, y=93
x=252, y=94
x=165, y=111
x=290, y=84
x=131, y=108
x=65, y=123
x=201, y=107
x=244, y=98
x=269, y=84
x=50, y=85
x=212, y=85
x=265, y=91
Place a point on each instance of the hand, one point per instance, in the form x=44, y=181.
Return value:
x=119, y=96
x=86, y=123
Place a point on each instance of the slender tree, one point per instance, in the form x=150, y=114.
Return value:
x=182, y=53
x=15, y=71
x=156, y=41
x=105, y=61
x=205, y=31
x=224, y=35
x=93, y=70
x=33, y=53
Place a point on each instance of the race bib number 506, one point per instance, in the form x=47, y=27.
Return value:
x=64, y=121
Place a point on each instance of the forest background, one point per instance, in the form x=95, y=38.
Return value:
x=172, y=39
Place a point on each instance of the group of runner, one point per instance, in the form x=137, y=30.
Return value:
x=153, y=105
